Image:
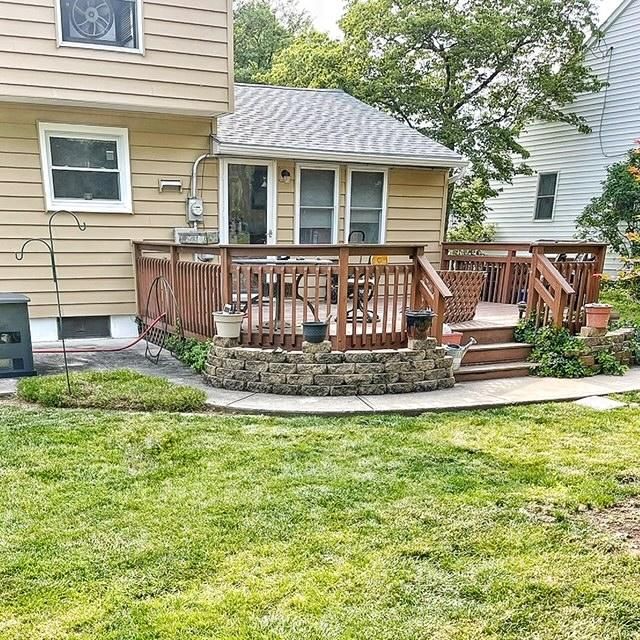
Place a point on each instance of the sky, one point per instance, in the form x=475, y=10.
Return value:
x=325, y=13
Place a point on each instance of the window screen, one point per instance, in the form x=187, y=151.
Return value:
x=317, y=205
x=367, y=194
x=547, y=184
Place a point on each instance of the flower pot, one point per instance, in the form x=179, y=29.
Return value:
x=419, y=323
x=314, y=332
x=598, y=315
x=228, y=325
x=454, y=338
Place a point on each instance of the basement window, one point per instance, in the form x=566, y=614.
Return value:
x=84, y=327
x=546, y=197
x=86, y=168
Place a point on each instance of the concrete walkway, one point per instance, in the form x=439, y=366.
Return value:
x=469, y=395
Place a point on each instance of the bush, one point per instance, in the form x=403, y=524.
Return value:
x=558, y=354
x=121, y=389
x=193, y=353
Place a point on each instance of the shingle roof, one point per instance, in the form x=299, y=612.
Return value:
x=306, y=123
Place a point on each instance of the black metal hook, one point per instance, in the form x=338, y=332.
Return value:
x=20, y=254
x=81, y=225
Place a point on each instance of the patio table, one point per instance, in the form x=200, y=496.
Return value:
x=280, y=261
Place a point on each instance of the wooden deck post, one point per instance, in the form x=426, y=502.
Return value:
x=505, y=298
x=225, y=276
x=416, y=297
x=343, y=284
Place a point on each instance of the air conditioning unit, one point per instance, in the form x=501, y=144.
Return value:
x=105, y=22
x=195, y=237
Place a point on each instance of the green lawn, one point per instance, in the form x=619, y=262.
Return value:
x=471, y=525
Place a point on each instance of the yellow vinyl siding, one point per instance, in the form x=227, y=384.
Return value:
x=95, y=266
x=415, y=209
x=187, y=66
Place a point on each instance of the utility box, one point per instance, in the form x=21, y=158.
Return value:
x=16, y=354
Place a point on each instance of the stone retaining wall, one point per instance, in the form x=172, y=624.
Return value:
x=619, y=342
x=319, y=371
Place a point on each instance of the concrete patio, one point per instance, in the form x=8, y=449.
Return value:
x=470, y=395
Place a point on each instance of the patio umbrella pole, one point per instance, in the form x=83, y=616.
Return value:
x=50, y=245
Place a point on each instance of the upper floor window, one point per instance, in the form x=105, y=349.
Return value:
x=317, y=205
x=85, y=168
x=100, y=23
x=367, y=206
x=546, y=197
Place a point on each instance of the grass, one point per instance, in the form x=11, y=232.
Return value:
x=122, y=389
x=120, y=526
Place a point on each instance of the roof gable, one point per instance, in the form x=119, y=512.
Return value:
x=323, y=124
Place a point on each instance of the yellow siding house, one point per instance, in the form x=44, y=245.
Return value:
x=125, y=112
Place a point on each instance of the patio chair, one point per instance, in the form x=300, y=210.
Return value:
x=466, y=287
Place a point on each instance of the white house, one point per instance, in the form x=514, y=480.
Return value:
x=569, y=166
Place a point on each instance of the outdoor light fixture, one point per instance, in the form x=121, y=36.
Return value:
x=285, y=176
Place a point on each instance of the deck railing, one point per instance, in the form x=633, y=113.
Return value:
x=362, y=289
x=555, y=279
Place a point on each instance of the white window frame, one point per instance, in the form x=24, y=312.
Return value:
x=351, y=169
x=102, y=47
x=120, y=136
x=336, y=198
x=537, y=196
x=272, y=196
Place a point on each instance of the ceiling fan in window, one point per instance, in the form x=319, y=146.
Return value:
x=105, y=22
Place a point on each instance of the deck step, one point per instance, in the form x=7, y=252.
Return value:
x=495, y=371
x=499, y=352
x=488, y=335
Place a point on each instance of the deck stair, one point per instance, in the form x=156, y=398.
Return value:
x=495, y=356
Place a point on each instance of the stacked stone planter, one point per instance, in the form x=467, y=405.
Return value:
x=618, y=342
x=319, y=371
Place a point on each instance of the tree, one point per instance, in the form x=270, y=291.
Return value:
x=614, y=216
x=262, y=28
x=469, y=74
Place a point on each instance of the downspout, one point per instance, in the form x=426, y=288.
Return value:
x=210, y=155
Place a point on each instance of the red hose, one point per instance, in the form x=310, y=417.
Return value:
x=112, y=350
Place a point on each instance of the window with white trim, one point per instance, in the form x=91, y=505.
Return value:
x=546, y=196
x=318, y=205
x=100, y=23
x=86, y=168
x=367, y=206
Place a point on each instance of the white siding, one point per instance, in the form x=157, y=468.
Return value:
x=577, y=157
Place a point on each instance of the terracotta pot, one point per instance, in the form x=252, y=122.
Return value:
x=598, y=315
x=452, y=338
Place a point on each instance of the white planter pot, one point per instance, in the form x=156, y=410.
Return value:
x=228, y=325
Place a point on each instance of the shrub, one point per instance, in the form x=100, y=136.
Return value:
x=193, y=353
x=558, y=354
x=123, y=389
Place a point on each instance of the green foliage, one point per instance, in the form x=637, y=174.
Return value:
x=614, y=216
x=474, y=525
x=471, y=75
x=193, y=353
x=607, y=363
x=122, y=389
x=621, y=299
x=556, y=352
x=468, y=213
x=263, y=28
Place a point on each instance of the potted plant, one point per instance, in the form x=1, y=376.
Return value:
x=315, y=331
x=419, y=322
x=598, y=315
x=228, y=322
x=455, y=338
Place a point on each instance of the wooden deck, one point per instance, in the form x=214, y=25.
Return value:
x=490, y=315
